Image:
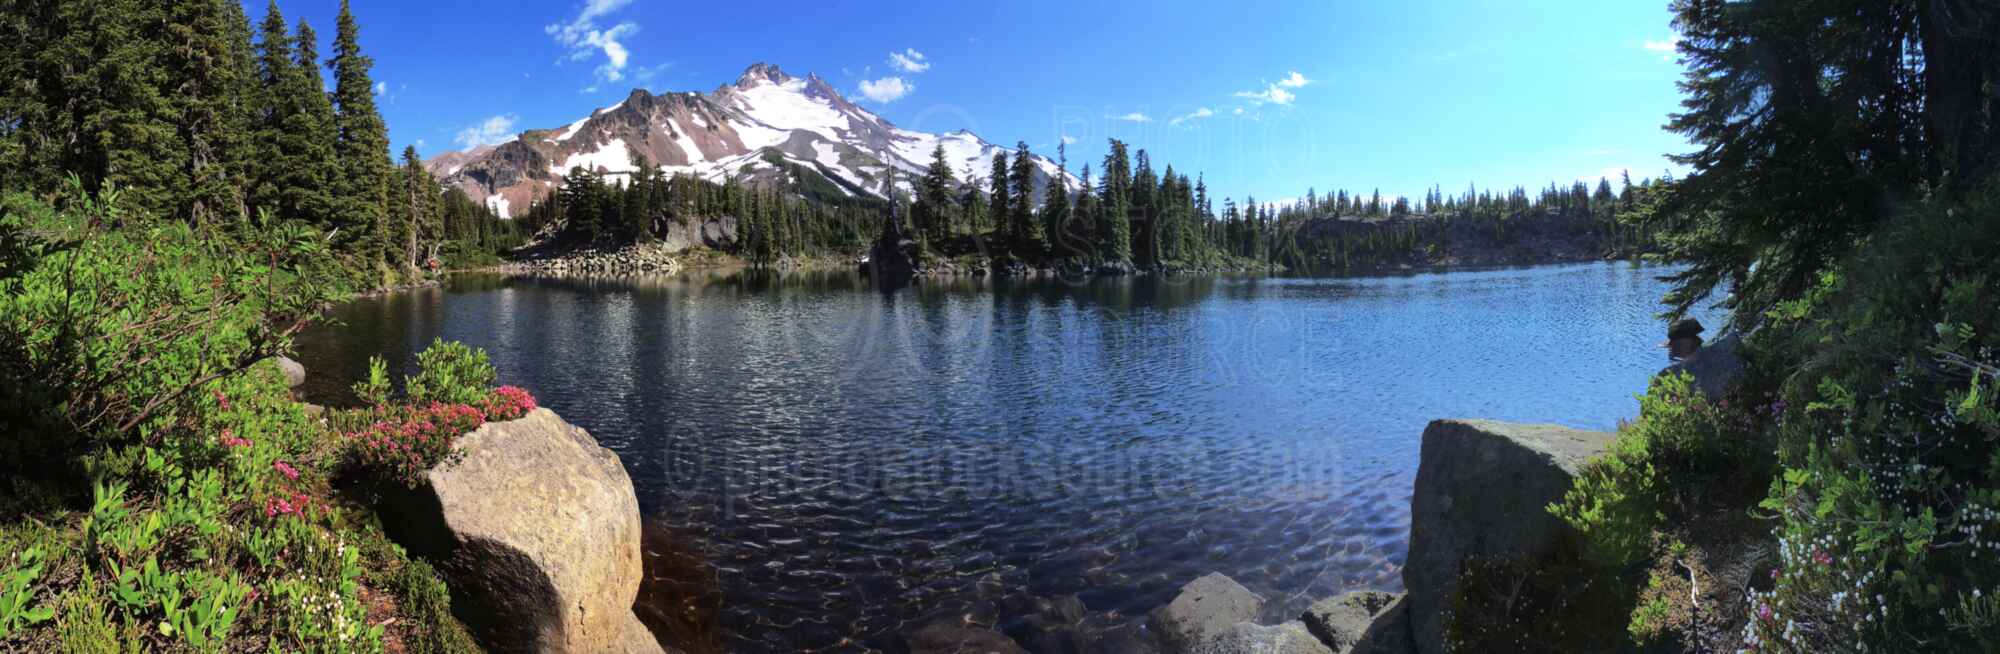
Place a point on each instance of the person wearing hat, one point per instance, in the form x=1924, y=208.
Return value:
x=1683, y=339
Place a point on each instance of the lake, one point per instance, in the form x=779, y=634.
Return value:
x=850, y=464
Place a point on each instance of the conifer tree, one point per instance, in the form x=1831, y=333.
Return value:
x=1000, y=197
x=1025, y=231
x=1055, y=200
x=933, y=210
x=309, y=143
x=1114, y=230
x=362, y=148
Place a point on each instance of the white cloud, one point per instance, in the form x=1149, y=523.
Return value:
x=1068, y=140
x=495, y=130
x=1276, y=93
x=1197, y=114
x=909, y=61
x=1134, y=117
x=420, y=143
x=381, y=88
x=1238, y=111
x=585, y=39
x=1273, y=95
x=1666, y=47
x=887, y=89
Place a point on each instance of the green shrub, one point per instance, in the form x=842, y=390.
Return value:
x=452, y=373
x=1683, y=457
x=1890, y=493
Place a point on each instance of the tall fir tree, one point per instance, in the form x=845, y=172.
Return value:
x=362, y=148
x=933, y=210
x=1115, y=227
x=1025, y=231
x=999, y=197
x=1055, y=202
x=310, y=142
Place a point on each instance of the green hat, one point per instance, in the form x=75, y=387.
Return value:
x=1683, y=328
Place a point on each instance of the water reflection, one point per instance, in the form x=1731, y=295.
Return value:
x=854, y=463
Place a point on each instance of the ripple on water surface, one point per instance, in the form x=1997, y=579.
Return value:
x=852, y=464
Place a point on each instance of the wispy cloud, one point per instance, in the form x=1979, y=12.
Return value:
x=887, y=89
x=495, y=130
x=909, y=61
x=1134, y=117
x=1665, y=47
x=1068, y=140
x=585, y=39
x=1197, y=114
x=1276, y=92
x=381, y=88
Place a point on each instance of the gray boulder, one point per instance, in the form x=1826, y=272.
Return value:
x=536, y=529
x=1206, y=608
x=1715, y=367
x=1251, y=638
x=953, y=638
x=1362, y=622
x=719, y=233
x=1482, y=490
x=295, y=373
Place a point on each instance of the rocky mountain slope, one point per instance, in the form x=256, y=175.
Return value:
x=767, y=126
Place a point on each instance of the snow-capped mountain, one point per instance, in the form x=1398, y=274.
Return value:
x=766, y=126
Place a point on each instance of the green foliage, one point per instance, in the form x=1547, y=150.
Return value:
x=1683, y=457
x=451, y=373
x=375, y=389
x=1556, y=602
x=18, y=606
x=1891, y=482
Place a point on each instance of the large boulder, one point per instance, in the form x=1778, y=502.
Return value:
x=1715, y=367
x=1482, y=490
x=1205, y=609
x=1252, y=638
x=536, y=529
x=1362, y=622
x=295, y=372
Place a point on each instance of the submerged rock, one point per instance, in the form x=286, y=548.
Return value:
x=1482, y=490
x=951, y=638
x=536, y=529
x=1206, y=609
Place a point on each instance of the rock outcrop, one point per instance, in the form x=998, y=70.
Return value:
x=1482, y=490
x=536, y=529
x=1715, y=366
x=1362, y=622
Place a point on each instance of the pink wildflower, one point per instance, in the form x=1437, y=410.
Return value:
x=285, y=469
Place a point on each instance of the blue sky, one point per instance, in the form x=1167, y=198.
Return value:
x=1266, y=99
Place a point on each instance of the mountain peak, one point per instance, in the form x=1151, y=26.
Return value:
x=760, y=72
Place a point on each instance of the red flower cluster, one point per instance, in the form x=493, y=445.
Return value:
x=229, y=439
x=403, y=442
x=294, y=505
x=508, y=403
x=285, y=469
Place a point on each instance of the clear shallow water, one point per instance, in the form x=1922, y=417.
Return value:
x=855, y=464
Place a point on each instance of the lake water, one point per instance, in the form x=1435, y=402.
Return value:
x=852, y=464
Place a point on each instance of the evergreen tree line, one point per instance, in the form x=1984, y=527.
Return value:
x=592, y=208
x=198, y=117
